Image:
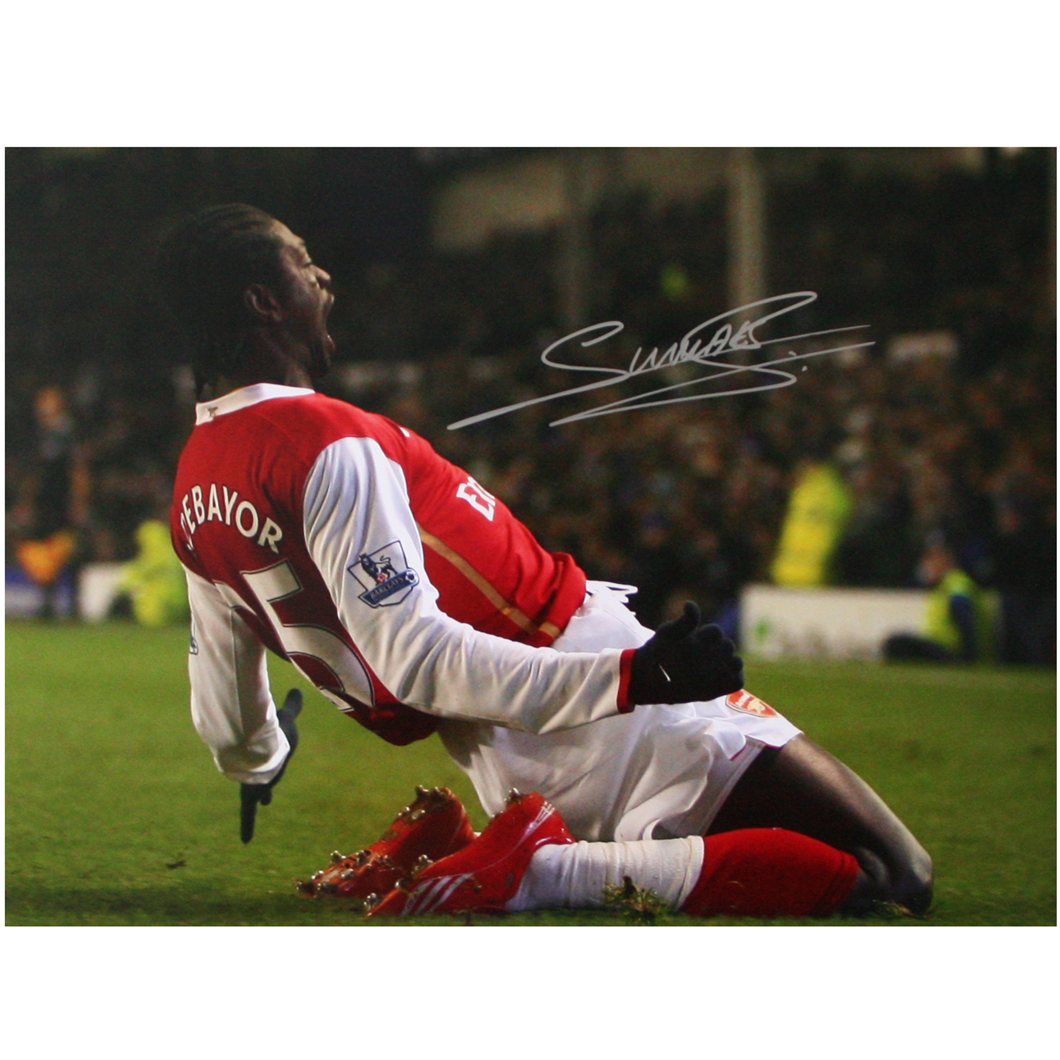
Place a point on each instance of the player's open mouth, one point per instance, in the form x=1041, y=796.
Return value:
x=329, y=342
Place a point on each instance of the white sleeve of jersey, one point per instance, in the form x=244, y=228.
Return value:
x=358, y=521
x=231, y=705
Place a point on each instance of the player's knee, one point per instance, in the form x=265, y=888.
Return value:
x=906, y=880
x=916, y=886
x=911, y=877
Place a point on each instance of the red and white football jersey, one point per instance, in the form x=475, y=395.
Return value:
x=398, y=585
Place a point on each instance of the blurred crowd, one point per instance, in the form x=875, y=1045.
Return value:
x=686, y=500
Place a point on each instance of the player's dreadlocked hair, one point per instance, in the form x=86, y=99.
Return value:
x=205, y=263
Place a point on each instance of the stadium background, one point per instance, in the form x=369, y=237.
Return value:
x=453, y=269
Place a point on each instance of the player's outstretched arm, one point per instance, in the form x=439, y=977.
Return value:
x=250, y=795
x=421, y=656
x=685, y=662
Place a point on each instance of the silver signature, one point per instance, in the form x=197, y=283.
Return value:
x=693, y=348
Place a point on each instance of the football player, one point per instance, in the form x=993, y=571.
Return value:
x=417, y=603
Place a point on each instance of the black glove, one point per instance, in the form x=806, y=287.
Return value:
x=252, y=794
x=685, y=662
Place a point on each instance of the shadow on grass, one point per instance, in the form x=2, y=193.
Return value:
x=144, y=907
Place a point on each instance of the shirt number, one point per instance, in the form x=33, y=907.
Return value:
x=344, y=679
x=479, y=499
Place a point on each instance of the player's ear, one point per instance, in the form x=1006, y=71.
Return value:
x=263, y=303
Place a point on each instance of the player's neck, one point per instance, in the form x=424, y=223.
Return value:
x=266, y=361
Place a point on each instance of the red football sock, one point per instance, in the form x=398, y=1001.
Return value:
x=770, y=872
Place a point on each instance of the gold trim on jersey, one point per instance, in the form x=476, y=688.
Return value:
x=522, y=620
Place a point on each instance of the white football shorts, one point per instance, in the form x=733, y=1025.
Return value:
x=660, y=772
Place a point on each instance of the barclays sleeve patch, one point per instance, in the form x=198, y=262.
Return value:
x=386, y=577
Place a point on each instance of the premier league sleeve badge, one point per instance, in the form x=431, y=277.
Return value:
x=386, y=577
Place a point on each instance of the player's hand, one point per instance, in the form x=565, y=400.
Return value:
x=251, y=795
x=685, y=662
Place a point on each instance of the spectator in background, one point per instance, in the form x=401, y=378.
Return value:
x=959, y=625
x=818, y=510
x=154, y=580
x=53, y=495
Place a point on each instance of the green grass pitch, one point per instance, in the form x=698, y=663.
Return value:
x=116, y=815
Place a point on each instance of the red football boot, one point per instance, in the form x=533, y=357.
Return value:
x=434, y=826
x=487, y=873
